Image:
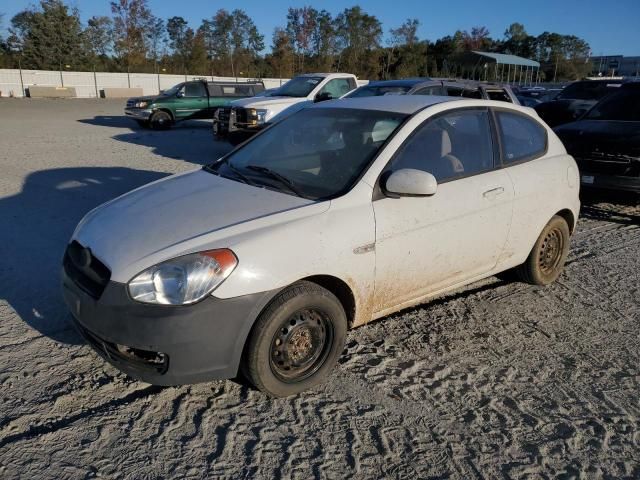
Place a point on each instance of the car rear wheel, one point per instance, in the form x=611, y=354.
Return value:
x=160, y=120
x=549, y=254
x=296, y=341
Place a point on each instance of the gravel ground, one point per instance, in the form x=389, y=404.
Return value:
x=502, y=380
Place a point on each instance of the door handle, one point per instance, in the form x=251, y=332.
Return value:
x=493, y=193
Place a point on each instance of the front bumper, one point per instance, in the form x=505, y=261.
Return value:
x=138, y=113
x=165, y=345
x=230, y=121
x=610, y=182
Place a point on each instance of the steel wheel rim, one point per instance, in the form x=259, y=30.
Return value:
x=162, y=118
x=301, y=345
x=551, y=251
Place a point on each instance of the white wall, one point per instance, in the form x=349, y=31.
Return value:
x=86, y=83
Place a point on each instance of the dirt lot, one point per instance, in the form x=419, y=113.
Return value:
x=503, y=380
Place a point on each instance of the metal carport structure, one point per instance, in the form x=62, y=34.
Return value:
x=506, y=68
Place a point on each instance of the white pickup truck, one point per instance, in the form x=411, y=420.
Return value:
x=243, y=118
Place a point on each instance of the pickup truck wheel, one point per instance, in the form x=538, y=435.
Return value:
x=546, y=260
x=296, y=341
x=160, y=120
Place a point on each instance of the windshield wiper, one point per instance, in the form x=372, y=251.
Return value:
x=236, y=171
x=276, y=176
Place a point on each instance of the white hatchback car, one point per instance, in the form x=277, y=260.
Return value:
x=338, y=215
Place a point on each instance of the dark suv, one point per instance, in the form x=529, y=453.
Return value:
x=575, y=99
x=605, y=142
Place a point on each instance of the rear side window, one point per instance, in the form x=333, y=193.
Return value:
x=498, y=95
x=194, y=89
x=435, y=90
x=522, y=138
x=452, y=145
x=471, y=93
x=337, y=87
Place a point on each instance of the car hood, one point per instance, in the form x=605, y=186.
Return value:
x=147, y=225
x=147, y=98
x=585, y=135
x=271, y=103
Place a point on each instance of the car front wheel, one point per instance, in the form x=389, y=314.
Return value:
x=296, y=341
x=160, y=120
x=549, y=254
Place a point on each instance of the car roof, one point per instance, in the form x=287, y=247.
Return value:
x=406, y=82
x=324, y=74
x=407, y=104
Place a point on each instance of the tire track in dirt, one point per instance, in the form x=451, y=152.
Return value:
x=45, y=427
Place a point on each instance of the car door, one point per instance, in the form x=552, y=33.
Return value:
x=194, y=102
x=425, y=244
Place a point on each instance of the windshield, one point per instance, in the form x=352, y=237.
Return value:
x=173, y=90
x=298, y=87
x=374, y=91
x=589, y=90
x=620, y=106
x=316, y=153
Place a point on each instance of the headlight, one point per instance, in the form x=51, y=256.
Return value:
x=257, y=115
x=262, y=115
x=183, y=280
x=141, y=104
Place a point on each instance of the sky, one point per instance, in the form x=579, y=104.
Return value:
x=611, y=28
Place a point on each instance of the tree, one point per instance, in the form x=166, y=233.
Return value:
x=302, y=23
x=180, y=36
x=407, y=33
x=232, y=39
x=48, y=36
x=282, y=55
x=156, y=39
x=563, y=57
x=5, y=59
x=324, y=41
x=406, y=56
x=358, y=35
x=478, y=39
x=98, y=36
x=132, y=20
x=518, y=42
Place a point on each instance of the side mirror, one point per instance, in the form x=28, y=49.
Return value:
x=321, y=97
x=409, y=182
x=180, y=94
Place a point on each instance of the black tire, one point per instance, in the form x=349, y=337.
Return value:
x=296, y=341
x=161, y=120
x=143, y=123
x=549, y=254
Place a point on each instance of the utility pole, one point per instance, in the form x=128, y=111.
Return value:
x=555, y=71
x=21, y=80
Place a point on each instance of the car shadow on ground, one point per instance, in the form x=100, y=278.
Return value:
x=116, y=121
x=122, y=121
x=36, y=226
x=193, y=145
x=617, y=207
x=189, y=141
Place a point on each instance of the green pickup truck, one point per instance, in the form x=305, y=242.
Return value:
x=192, y=99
